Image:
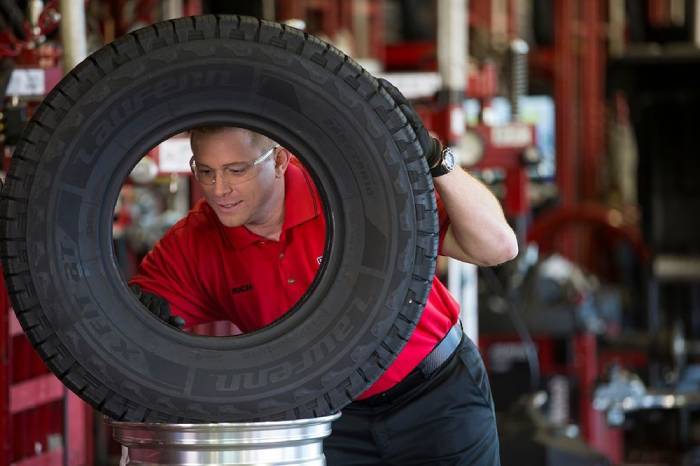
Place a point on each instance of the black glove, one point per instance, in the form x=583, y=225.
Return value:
x=157, y=306
x=431, y=146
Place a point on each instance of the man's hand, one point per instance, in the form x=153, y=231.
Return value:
x=157, y=306
x=431, y=146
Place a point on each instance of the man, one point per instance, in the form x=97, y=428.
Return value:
x=433, y=404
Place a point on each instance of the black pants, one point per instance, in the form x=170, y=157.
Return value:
x=447, y=419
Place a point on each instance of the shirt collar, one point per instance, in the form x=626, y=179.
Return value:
x=301, y=204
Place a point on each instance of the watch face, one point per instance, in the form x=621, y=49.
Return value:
x=448, y=160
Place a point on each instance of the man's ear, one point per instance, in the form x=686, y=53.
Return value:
x=282, y=158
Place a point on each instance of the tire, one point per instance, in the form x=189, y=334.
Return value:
x=158, y=81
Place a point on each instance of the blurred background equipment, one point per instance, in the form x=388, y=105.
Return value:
x=579, y=115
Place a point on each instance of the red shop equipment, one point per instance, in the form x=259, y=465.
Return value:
x=41, y=422
x=589, y=359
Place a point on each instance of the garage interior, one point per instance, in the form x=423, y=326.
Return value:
x=577, y=114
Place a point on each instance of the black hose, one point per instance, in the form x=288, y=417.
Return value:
x=519, y=325
x=14, y=17
x=6, y=68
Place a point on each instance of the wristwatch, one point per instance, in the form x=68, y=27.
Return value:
x=445, y=164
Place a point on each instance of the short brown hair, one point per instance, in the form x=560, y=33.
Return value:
x=255, y=139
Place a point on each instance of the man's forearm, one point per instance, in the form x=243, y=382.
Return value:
x=479, y=232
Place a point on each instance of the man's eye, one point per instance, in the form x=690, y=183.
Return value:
x=237, y=170
x=204, y=172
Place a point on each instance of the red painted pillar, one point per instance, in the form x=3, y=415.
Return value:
x=658, y=12
x=592, y=105
x=193, y=8
x=288, y=9
x=596, y=431
x=565, y=104
x=377, y=43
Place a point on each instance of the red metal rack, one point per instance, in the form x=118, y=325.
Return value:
x=41, y=422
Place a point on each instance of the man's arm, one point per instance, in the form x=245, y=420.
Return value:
x=175, y=283
x=478, y=231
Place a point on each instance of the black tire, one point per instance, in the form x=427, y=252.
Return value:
x=155, y=82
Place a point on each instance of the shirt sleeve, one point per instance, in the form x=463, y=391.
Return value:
x=163, y=273
x=443, y=221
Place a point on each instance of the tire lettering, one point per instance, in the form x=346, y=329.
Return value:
x=363, y=174
x=282, y=372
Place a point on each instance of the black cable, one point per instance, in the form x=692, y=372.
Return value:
x=519, y=325
x=7, y=66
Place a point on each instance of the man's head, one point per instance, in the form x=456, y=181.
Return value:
x=241, y=173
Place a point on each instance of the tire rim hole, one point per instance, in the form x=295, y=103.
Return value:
x=167, y=182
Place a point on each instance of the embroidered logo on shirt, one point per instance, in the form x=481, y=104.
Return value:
x=319, y=259
x=242, y=288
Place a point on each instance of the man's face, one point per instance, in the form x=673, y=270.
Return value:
x=243, y=203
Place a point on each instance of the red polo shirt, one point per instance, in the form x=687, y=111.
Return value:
x=209, y=272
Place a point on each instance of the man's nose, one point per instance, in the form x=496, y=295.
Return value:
x=221, y=188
